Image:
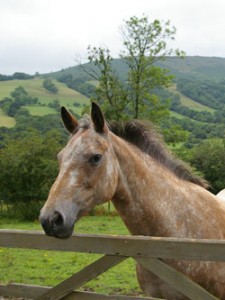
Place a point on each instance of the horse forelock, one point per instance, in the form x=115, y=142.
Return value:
x=83, y=123
x=147, y=139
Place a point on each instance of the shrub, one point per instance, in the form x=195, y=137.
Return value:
x=28, y=167
x=50, y=86
x=209, y=158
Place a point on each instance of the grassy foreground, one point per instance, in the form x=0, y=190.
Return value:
x=49, y=268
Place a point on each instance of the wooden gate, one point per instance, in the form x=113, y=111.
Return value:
x=148, y=251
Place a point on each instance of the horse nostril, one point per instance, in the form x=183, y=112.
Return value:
x=56, y=224
x=57, y=219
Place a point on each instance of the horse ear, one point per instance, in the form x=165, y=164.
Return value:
x=97, y=117
x=68, y=120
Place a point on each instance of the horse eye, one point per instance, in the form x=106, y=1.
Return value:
x=95, y=159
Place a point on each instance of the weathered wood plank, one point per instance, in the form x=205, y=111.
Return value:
x=22, y=290
x=32, y=291
x=93, y=296
x=91, y=271
x=176, y=279
x=136, y=246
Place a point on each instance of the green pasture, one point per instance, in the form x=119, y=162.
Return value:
x=49, y=268
x=180, y=116
x=65, y=95
x=94, y=82
x=186, y=101
x=37, y=110
x=177, y=115
x=6, y=121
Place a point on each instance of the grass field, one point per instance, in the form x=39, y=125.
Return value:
x=34, y=88
x=6, y=120
x=40, y=110
x=51, y=267
x=177, y=115
x=186, y=101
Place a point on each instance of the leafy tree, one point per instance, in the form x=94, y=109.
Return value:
x=175, y=134
x=28, y=166
x=111, y=92
x=50, y=86
x=144, y=43
x=5, y=105
x=55, y=104
x=209, y=158
x=19, y=98
x=16, y=75
x=207, y=92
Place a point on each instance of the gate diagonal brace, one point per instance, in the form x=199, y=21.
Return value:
x=88, y=273
x=176, y=279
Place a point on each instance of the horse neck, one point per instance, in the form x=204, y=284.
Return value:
x=139, y=198
x=153, y=201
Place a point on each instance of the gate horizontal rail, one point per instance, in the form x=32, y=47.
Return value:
x=32, y=291
x=136, y=246
x=146, y=250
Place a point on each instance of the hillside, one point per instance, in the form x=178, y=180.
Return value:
x=194, y=67
x=34, y=87
x=188, y=102
x=198, y=93
x=198, y=90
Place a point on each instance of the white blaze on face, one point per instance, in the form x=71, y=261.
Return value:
x=68, y=158
x=110, y=168
x=61, y=193
x=72, y=181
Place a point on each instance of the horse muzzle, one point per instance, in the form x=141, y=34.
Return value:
x=55, y=225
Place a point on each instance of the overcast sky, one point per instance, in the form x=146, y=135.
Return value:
x=48, y=35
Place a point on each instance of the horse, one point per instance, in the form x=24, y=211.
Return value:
x=221, y=195
x=154, y=193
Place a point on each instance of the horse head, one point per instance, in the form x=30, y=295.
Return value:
x=87, y=176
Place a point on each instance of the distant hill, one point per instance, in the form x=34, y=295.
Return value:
x=198, y=90
x=202, y=76
x=194, y=67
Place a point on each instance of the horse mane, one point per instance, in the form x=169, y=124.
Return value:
x=145, y=137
